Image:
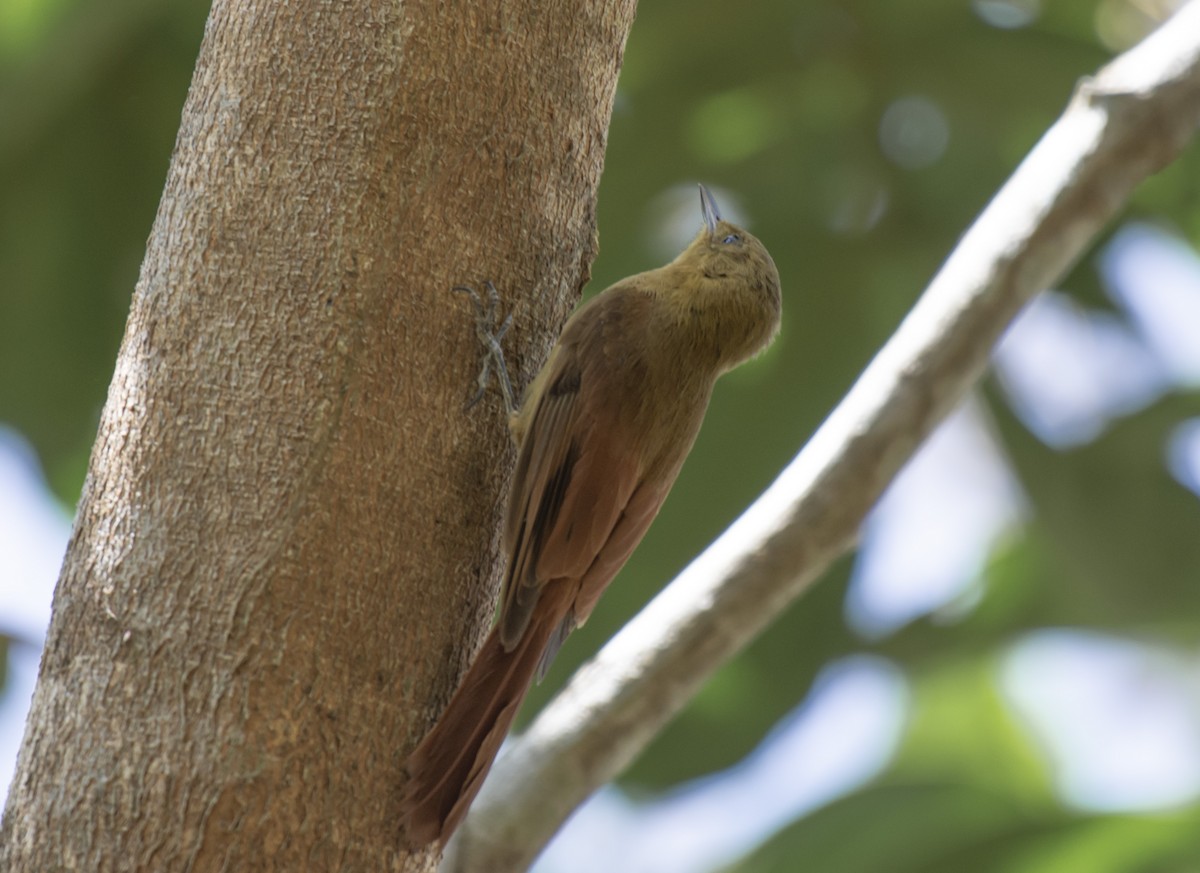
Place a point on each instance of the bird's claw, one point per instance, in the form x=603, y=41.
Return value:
x=489, y=336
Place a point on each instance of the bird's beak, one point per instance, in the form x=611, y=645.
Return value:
x=708, y=206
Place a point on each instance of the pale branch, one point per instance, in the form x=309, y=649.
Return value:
x=1127, y=122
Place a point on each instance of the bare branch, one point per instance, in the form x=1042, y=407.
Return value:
x=1123, y=125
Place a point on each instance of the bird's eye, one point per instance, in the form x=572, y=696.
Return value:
x=731, y=239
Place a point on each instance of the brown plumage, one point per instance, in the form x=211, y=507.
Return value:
x=603, y=431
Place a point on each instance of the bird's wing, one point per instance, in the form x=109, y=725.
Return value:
x=630, y=527
x=575, y=476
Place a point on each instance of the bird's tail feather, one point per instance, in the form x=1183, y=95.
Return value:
x=447, y=769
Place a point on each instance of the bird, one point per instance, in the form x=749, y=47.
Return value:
x=602, y=432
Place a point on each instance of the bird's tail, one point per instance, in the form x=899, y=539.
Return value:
x=447, y=769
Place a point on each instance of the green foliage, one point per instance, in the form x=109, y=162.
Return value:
x=780, y=104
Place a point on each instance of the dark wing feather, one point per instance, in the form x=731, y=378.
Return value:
x=578, y=467
x=542, y=478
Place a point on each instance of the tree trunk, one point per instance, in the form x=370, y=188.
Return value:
x=287, y=548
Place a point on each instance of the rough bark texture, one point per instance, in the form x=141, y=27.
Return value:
x=286, y=548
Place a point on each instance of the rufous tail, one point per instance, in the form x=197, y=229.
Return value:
x=447, y=769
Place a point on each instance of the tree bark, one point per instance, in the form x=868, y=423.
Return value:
x=286, y=548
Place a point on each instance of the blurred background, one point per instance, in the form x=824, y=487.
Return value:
x=1006, y=676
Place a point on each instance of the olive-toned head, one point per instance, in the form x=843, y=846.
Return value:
x=733, y=277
